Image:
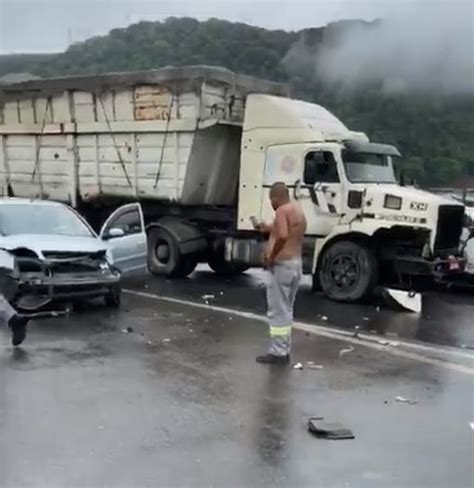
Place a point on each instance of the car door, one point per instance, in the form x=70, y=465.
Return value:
x=124, y=232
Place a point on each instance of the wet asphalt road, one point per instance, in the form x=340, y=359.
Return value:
x=447, y=317
x=180, y=402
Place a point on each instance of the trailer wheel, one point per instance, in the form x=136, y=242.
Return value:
x=222, y=267
x=164, y=256
x=348, y=271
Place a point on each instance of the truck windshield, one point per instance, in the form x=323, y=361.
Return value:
x=364, y=167
x=41, y=219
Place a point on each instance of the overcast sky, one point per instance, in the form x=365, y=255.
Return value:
x=48, y=25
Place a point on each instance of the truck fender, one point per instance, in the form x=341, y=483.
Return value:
x=335, y=236
x=188, y=237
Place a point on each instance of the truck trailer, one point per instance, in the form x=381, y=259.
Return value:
x=199, y=148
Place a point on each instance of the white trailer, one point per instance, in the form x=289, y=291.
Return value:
x=199, y=147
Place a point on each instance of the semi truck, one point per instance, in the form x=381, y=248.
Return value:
x=199, y=148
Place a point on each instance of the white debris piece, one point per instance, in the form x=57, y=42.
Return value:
x=408, y=300
x=221, y=293
x=324, y=318
x=342, y=352
x=311, y=365
x=165, y=341
x=208, y=297
x=401, y=399
x=389, y=343
x=472, y=425
x=298, y=366
x=365, y=318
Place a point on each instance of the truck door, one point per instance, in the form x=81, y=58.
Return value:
x=311, y=175
x=320, y=191
x=126, y=238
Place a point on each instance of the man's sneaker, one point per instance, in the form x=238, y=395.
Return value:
x=18, y=325
x=272, y=359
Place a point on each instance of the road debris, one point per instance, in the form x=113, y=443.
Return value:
x=311, y=365
x=324, y=318
x=166, y=341
x=206, y=298
x=356, y=331
x=231, y=318
x=329, y=430
x=342, y=352
x=149, y=343
x=128, y=330
x=378, y=309
x=221, y=293
x=298, y=366
x=401, y=399
x=366, y=319
x=389, y=343
x=408, y=300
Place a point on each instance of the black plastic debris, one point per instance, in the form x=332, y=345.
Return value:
x=328, y=430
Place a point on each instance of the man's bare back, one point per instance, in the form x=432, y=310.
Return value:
x=289, y=226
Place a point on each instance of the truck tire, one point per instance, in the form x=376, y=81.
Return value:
x=348, y=271
x=222, y=267
x=164, y=256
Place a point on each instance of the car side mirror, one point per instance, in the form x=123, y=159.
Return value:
x=114, y=232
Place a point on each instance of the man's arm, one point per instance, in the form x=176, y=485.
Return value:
x=280, y=232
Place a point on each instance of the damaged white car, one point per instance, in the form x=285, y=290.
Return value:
x=57, y=256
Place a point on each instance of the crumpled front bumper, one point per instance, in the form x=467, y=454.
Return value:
x=67, y=286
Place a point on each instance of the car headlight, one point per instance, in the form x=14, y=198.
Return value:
x=392, y=202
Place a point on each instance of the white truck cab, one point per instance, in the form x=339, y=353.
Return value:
x=363, y=227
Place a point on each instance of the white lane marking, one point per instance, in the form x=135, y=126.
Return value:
x=323, y=332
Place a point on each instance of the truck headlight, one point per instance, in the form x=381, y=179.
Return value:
x=392, y=202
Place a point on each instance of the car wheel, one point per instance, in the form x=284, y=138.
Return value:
x=348, y=271
x=114, y=296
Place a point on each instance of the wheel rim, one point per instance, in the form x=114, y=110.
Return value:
x=344, y=271
x=162, y=252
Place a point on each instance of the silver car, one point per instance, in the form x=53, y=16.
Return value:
x=49, y=252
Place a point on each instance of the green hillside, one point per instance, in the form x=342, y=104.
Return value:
x=434, y=132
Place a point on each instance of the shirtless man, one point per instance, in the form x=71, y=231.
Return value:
x=283, y=261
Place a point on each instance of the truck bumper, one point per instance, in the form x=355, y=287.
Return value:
x=437, y=268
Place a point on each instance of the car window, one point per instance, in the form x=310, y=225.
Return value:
x=129, y=221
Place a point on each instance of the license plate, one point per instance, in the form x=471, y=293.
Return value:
x=454, y=266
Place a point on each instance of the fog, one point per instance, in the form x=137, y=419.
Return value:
x=426, y=48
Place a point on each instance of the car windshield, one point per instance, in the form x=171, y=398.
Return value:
x=41, y=219
x=362, y=167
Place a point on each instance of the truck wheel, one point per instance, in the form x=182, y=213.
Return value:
x=348, y=271
x=114, y=296
x=164, y=256
x=222, y=267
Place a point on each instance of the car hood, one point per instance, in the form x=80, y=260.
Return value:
x=39, y=243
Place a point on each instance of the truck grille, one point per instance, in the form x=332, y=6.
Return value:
x=450, y=224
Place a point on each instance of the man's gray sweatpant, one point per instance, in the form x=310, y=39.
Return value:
x=283, y=281
x=6, y=311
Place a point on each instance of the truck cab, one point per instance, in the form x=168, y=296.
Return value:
x=363, y=227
